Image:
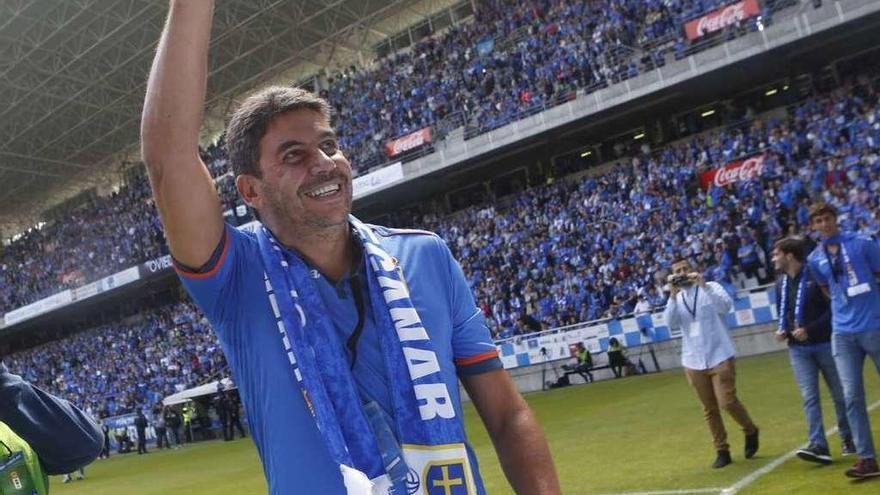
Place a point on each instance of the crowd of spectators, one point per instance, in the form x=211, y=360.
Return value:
x=576, y=249
x=96, y=238
x=515, y=57
x=124, y=367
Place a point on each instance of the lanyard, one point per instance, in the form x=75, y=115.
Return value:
x=798, y=302
x=693, y=311
x=8, y=450
x=836, y=269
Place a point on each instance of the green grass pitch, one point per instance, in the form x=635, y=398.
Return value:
x=637, y=434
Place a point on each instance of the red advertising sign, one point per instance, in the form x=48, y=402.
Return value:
x=738, y=171
x=719, y=19
x=73, y=276
x=408, y=142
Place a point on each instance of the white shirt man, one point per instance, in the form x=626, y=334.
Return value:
x=699, y=309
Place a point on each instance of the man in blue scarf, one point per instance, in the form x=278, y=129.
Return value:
x=847, y=265
x=346, y=340
x=805, y=323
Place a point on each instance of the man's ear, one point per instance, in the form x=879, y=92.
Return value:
x=250, y=191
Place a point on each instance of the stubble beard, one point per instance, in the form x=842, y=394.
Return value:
x=303, y=222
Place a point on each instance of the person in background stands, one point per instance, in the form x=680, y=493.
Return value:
x=234, y=416
x=172, y=422
x=140, y=423
x=584, y=363
x=161, y=429
x=105, y=452
x=616, y=357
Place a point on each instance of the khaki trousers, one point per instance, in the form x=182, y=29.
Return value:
x=716, y=389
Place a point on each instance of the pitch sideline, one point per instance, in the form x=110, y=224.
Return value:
x=754, y=475
x=744, y=481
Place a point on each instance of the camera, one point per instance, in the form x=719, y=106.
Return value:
x=681, y=280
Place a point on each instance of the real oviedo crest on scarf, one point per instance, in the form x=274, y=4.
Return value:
x=438, y=470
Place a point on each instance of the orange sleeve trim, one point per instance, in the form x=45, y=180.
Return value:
x=214, y=269
x=478, y=358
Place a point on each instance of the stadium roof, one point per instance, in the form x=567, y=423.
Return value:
x=73, y=72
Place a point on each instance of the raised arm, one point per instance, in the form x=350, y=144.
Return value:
x=182, y=187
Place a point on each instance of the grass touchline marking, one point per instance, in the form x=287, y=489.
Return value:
x=750, y=478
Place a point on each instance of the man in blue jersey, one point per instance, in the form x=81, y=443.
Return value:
x=347, y=341
x=846, y=265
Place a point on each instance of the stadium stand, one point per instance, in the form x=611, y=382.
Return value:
x=515, y=59
x=585, y=247
x=121, y=367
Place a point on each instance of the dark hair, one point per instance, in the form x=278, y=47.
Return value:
x=249, y=122
x=794, y=245
x=822, y=208
x=681, y=259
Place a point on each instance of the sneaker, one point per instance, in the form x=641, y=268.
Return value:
x=722, y=460
x=815, y=453
x=66, y=479
x=848, y=447
x=751, y=444
x=864, y=468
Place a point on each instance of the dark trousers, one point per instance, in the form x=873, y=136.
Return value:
x=162, y=438
x=175, y=432
x=142, y=442
x=235, y=422
x=584, y=371
x=226, y=428
x=616, y=361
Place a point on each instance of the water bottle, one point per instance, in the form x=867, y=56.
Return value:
x=392, y=455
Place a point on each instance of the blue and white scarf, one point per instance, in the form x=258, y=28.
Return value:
x=422, y=407
x=800, y=295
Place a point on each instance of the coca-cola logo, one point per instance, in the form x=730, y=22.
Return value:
x=731, y=14
x=722, y=18
x=409, y=142
x=747, y=169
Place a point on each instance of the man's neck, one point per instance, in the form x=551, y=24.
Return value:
x=831, y=235
x=330, y=250
x=794, y=269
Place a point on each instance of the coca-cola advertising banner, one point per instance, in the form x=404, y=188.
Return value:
x=719, y=19
x=738, y=171
x=408, y=142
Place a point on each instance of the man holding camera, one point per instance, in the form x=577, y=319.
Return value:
x=805, y=322
x=699, y=308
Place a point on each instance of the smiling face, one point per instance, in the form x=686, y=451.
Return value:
x=780, y=260
x=305, y=183
x=825, y=224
